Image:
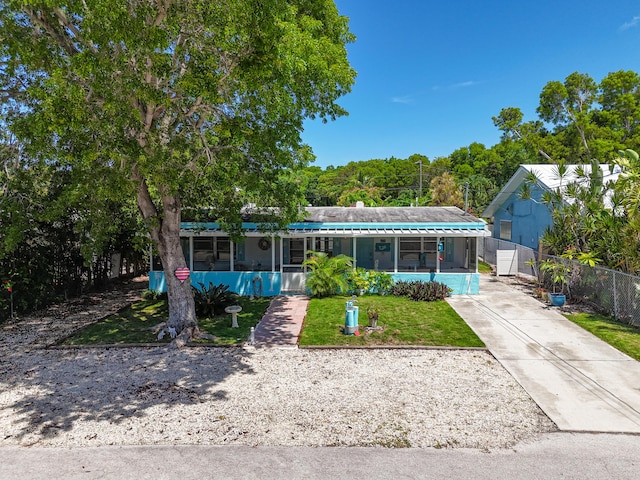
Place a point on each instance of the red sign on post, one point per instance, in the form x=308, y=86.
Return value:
x=182, y=273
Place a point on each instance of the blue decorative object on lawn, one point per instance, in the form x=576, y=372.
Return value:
x=557, y=299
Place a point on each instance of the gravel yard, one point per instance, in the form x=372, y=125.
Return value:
x=247, y=396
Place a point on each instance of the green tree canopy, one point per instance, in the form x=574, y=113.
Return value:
x=194, y=103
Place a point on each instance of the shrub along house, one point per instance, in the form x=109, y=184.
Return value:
x=411, y=243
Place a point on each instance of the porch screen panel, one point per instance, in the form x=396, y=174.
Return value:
x=296, y=251
x=473, y=254
x=186, y=250
x=417, y=253
x=203, y=255
x=324, y=244
x=223, y=248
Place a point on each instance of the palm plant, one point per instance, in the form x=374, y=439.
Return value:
x=327, y=275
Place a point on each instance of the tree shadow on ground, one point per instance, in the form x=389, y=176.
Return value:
x=46, y=393
x=50, y=391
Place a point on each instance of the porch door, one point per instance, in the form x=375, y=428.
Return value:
x=293, y=276
x=364, y=253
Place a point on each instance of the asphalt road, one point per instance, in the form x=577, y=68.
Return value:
x=559, y=455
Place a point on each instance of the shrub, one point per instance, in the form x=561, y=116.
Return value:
x=154, y=295
x=369, y=281
x=421, y=291
x=382, y=282
x=212, y=300
x=400, y=288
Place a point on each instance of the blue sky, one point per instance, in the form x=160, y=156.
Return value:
x=432, y=74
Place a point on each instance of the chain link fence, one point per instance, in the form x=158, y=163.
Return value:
x=610, y=292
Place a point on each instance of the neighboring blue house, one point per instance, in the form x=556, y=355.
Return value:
x=411, y=243
x=523, y=221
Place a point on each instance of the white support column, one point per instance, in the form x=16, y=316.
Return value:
x=438, y=240
x=304, y=252
x=232, y=248
x=191, y=253
x=467, y=244
x=355, y=253
x=396, y=253
x=273, y=253
x=476, y=260
x=282, y=240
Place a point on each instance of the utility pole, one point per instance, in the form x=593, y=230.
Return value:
x=466, y=197
x=419, y=162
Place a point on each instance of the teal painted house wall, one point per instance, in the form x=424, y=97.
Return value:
x=243, y=283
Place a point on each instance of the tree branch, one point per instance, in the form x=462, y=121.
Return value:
x=62, y=41
x=147, y=209
x=64, y=21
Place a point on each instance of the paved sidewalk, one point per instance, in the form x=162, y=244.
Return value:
x=280, y=327
x=582, y=383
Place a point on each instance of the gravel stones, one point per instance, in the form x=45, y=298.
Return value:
x=248, y=396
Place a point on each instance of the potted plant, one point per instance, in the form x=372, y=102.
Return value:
x=559, y=273
x=373, y=313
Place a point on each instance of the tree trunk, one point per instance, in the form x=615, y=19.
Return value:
x=182, y=314
x=165, y=232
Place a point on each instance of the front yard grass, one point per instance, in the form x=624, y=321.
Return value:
x=134, y=325
x=625, y=338
x=405, y=322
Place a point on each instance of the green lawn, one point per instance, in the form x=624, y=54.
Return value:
x=625, y=338
x=135, y=324
x=405, y=322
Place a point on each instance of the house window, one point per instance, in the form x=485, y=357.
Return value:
x=505, y=230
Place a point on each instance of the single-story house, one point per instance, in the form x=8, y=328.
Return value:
x=524, y=220
x=411, y=243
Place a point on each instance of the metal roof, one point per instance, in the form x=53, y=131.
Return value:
x=390, y=231
x=388, y=215
x=548, y=177
x=370, y=221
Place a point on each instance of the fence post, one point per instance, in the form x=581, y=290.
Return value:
x=615, y=297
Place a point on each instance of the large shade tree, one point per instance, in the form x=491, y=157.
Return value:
x=194, y=103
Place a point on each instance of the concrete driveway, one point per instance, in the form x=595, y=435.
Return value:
x=582, y=383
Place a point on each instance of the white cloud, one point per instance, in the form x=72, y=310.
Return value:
x=469, y=83
x=455, y=86
x=630, y=24
x=406, y=99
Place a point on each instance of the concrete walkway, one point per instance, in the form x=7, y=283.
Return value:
x=582, y=383
x=281, y=324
